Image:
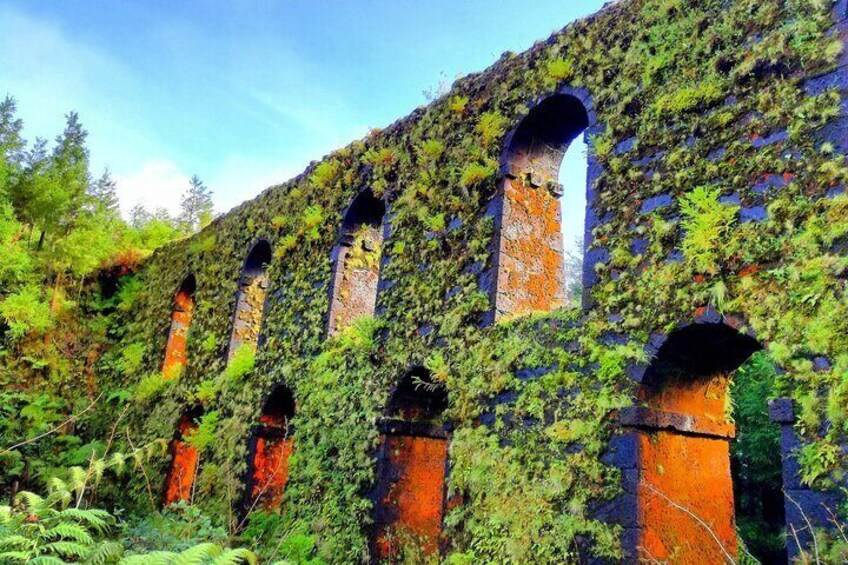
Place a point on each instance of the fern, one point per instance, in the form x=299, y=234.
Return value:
x=106, y=553
x=707, y=223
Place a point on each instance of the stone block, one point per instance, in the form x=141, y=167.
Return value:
x=781, y=410
x=622, y=451
x=753, y=214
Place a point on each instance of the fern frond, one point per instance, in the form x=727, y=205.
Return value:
x=46, y=560
x=77, y=477
x=67, y=531
x=98, y=467
x=57, y=486
x=32, y=502
x=117, y=462
x=94, y=518
x=198, y=555
x=66, y=549
x=105, y=553
x=14, y=541
x=15, y=557
x=238, y=556
x=154, y=558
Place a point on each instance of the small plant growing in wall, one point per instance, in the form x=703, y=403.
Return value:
x=707, y=223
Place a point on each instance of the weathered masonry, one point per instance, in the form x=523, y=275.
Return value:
x=381, y=347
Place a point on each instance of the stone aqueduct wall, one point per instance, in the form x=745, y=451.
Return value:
x=565, y=428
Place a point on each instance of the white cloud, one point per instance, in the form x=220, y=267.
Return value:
x=158, y=183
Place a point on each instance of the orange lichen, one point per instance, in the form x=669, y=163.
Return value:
x=183, y=465
x=685, y=491
x=530, y=273
x=175, y=351
x=271, y=469
x=685, y=499
x=414, y=500
x=355, y=292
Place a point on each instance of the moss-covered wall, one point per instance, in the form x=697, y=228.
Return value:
x=718, y=179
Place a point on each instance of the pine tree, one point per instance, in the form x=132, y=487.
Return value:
x=139, y=216
x=11, y=142
x=196, y=206
x=104, y=195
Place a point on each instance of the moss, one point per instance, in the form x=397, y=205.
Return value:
x=653, y=70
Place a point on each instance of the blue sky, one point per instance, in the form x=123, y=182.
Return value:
x=245, y=93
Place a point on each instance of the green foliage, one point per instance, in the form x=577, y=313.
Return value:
x=40, y=529
x=475, y=173
x=176, y=528
x=325, y=174
x=458, y=104
x=757, y=473
x=149, y=386
x=561, y=69
x=26, y=312
x=525, y=489
x=431, y=150
x=132, y=356
x=491, y=126
x=706, y=223
x=685, y=99
x=240, y=364
x=204, y=434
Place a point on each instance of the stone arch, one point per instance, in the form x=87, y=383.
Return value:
x=683, y=502
x=175, y=350
x=412, y=467
x=184, y=459
x=356, y=262
x=250, y=299
x=528, y=260
x=271, y=446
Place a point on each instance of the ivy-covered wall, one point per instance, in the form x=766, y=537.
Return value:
x=718, y=174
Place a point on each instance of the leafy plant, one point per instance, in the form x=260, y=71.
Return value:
x=706, y=223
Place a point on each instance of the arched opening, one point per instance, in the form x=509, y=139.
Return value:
x=356, y=268
x=685, y=490
x=410, y=492
x=530, y=273
x=271, y=446
x=250, y=301
x=175, y=350
x=573, y=178
x=184, y=460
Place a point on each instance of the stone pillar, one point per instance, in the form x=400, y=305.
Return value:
x=410, y=493
x=677, y=502
x=806, y=508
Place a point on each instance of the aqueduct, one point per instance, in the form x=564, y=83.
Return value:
x=404, y=301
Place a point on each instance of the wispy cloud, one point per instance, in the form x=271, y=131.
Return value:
x=50, y=74
x=157, y=183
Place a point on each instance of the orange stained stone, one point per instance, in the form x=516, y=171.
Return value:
x=414, y=500
x=685, y=491
x=175, y=351
x=531, y=254
x=685, y=499
x=271, y=469
x=183, y=466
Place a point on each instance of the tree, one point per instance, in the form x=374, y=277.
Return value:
x=11, y=142
x=50, y=190
x=104, y=195
x=139, y=216
x=196, y=206
x=573, y=264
